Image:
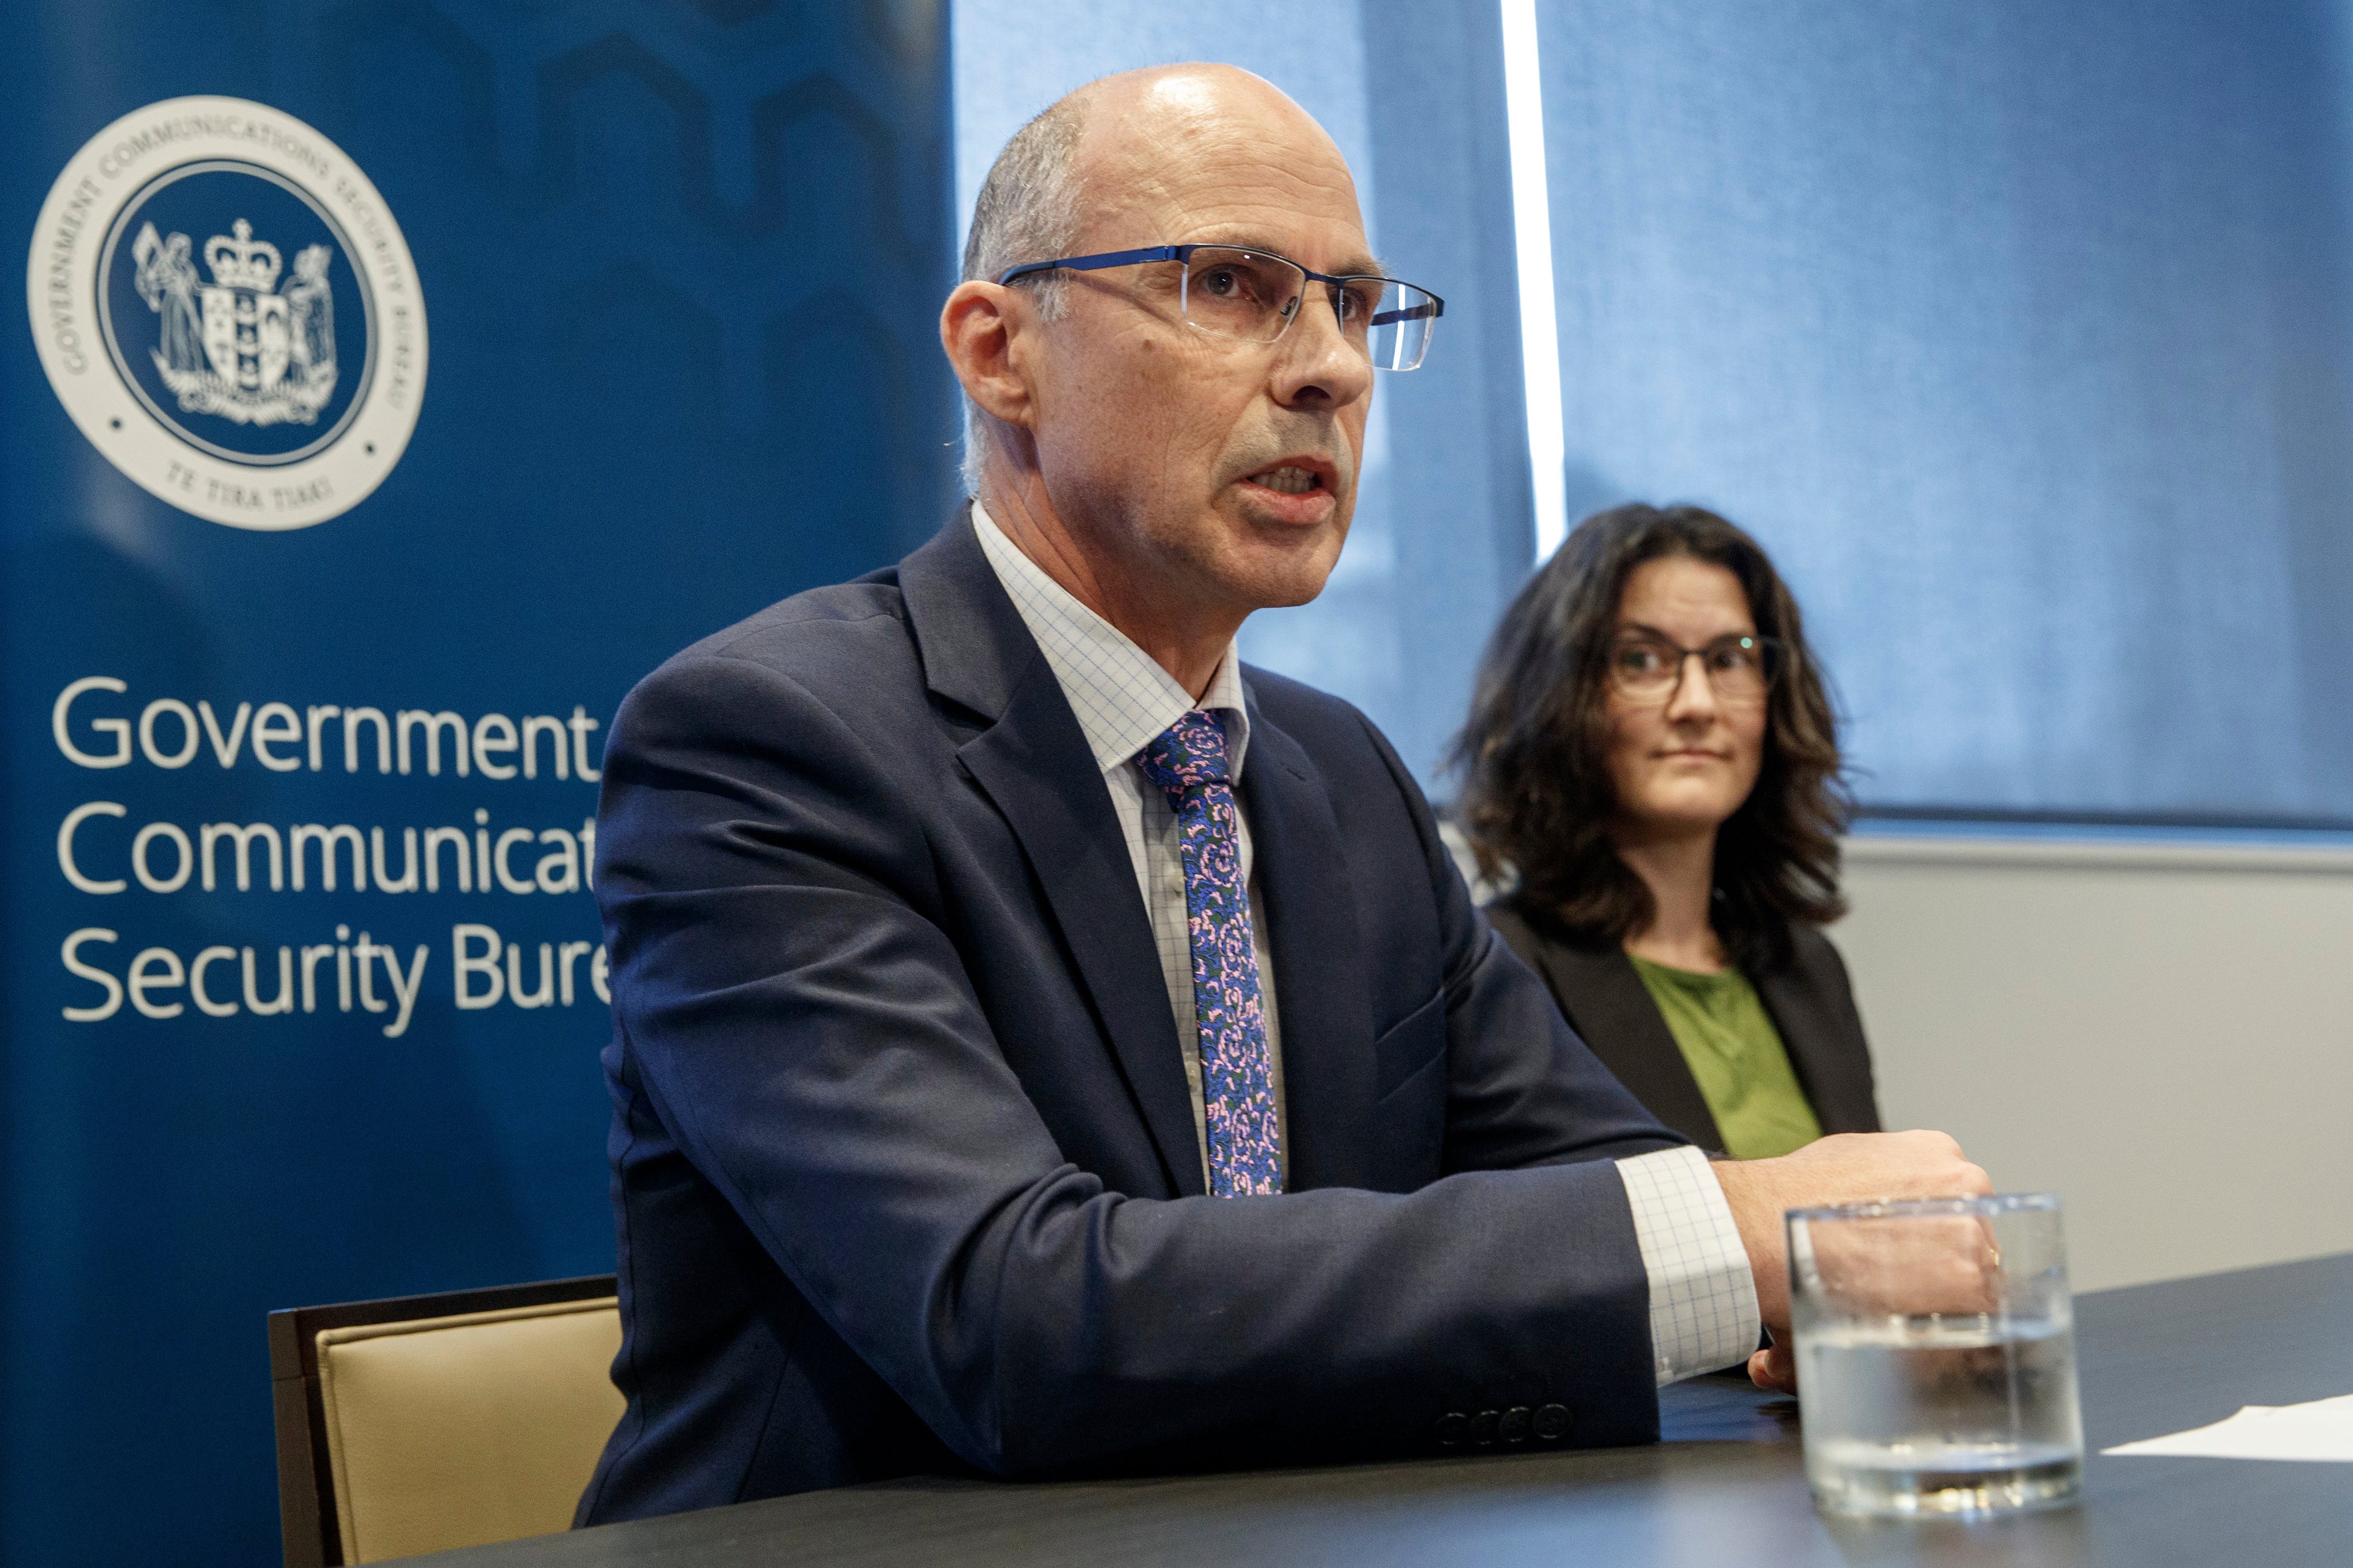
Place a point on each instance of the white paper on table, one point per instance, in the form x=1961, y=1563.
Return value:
x=2321, y=1430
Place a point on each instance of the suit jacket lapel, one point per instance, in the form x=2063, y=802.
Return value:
x=1034, y=764
x=1831, y=1062
x=1607, y=1004
x=1322, y=993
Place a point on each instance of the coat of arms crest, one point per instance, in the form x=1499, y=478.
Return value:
x=219, y=390
x=240, y=347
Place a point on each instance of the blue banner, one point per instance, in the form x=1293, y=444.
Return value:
x=399, y=382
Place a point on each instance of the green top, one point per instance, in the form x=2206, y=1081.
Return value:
x=1736, y=1053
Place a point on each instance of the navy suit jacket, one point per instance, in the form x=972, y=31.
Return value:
x=903, y=1156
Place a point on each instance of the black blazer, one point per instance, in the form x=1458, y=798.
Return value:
x=1605, y=1001
x=904, y=1158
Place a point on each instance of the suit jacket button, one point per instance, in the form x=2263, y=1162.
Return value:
x=1513, y=1427
x=1450, y=1428
x=1483, y=1428
x=1552, y=1422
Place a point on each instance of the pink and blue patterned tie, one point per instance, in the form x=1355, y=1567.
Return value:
x=1188, y=761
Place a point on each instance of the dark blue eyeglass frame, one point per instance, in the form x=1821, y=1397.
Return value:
x=1101, y=259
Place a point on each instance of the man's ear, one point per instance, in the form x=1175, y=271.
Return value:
x=980, y=327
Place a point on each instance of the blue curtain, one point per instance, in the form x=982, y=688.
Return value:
x=2018, y=332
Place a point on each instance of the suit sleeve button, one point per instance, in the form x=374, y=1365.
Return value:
x=1514, y=1427
x=1552, y=1422
x=1450, y=1428
x=1483, y=1428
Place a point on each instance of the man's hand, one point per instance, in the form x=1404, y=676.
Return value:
x=1844, y=1168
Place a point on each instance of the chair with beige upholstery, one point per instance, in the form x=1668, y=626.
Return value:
x=430, y=1422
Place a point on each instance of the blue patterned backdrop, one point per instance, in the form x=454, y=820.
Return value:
x=681, y=263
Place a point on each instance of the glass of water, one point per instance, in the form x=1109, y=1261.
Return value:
x=1936, y=1348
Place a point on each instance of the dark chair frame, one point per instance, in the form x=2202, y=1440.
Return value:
x=306, y=1482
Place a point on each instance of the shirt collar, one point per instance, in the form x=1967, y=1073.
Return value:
x=1121, y=694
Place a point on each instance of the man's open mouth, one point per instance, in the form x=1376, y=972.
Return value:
x=1288, y=480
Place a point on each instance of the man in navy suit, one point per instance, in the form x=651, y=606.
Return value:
x=1042, y=1044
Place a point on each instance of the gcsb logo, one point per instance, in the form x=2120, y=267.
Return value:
x=227, y=309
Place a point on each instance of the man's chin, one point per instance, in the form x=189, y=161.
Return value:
x=1277, y=565
x=1277, y=579
x=1290, y=596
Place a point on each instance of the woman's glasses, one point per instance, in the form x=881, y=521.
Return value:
x=1739, y=668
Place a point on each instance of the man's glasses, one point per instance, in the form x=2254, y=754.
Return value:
x=1739, y=668
x=1254, y=296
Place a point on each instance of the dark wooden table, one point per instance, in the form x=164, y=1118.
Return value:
x=1725, y=1487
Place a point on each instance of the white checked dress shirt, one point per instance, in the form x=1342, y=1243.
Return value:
x=1703, y=1299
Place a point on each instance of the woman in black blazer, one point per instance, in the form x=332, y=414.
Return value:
x=1651, y=763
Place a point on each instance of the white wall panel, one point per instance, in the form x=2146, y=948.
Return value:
x=2164, y=1035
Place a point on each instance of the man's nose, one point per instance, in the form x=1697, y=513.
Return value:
x=1315, y=361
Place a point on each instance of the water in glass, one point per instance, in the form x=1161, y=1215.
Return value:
x=1940, y=1412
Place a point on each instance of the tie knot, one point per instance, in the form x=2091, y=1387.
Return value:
x=1187, y=754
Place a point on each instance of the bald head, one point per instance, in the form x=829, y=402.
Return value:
x=1160, y=131
x=1119, y=138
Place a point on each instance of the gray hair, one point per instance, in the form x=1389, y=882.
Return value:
x=1027, y=210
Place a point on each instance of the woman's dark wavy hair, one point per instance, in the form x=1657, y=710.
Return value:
x=1536, y=797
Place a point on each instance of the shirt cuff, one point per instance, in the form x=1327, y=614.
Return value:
x=1703, y=1296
